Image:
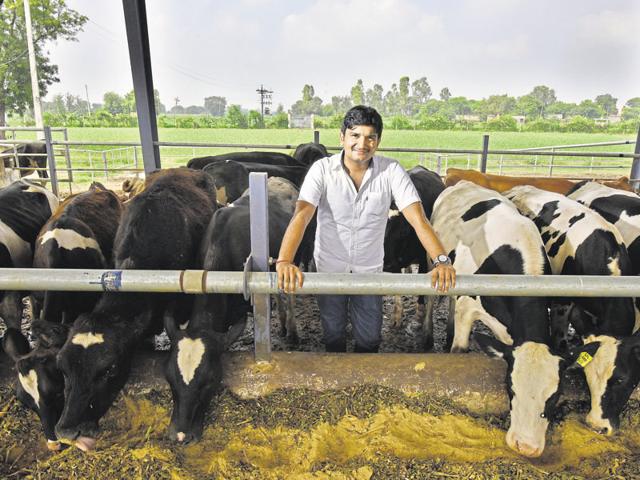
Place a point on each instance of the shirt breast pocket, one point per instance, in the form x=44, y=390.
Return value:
x=376, y=204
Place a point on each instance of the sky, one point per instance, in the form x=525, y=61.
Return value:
x=476, y=48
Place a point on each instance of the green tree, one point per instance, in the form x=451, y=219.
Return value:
x=404, y=100
x=52, y=21
x=499, y=105
x=392, y=101
x=608, y=103
x=254, y=119
x=562, y=108
x=529, y=106
x=309, y=102
x=375, y=97
x=589, y=109
x=341, y=104
x=631, y=109
x=195, y=110
x=129, y=102
x=545, y=96
x=420, y=93
x=215, y=105
x=445, y=94
x=114, y=103
x=235, y=117
x=357, y=93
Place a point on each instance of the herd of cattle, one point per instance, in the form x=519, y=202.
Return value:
x=198, y=218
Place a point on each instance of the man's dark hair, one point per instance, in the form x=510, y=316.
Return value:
x=362, y=115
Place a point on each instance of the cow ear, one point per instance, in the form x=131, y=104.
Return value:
x=581, y=356
x=15, y=344
x=170, y=327
x=49, y=334
x=492, y=346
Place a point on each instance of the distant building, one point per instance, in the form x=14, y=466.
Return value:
x=468, y=118
x=520, y=119
x=300, y=121
x=554, y=116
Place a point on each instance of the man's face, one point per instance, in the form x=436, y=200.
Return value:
x=360, y=143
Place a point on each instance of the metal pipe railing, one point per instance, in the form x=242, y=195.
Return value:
x=201, y=281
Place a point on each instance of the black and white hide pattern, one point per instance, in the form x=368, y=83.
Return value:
x=581, y=242
x=161, y=229
x=79, y=235
x=40, y=385
x=193, y=369
x=484, y=234
x=24, y=209
x=402, y=247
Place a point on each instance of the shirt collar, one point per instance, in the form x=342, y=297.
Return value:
x=336, y=162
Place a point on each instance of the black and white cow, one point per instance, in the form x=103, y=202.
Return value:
x=401, y=245
x=307, y=153
x=193, y=369
x=161, y=228
x=484, y=234
x=80, y=234
x=270, y=158
x=232, y=178
x=581, y=242
x=618, y=207
x=30, y=156
x=40, y=385
x=24, y=209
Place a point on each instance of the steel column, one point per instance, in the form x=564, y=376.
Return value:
x=259, y=214
x=635, y=166
x=485, y=153
x=135, y=16
x=51, y=161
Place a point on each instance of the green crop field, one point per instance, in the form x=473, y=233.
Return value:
x=101, y=157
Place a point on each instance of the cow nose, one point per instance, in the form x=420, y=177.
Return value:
x=600, y=425
x=185, y=438
x=67, y=435
x=527, y=450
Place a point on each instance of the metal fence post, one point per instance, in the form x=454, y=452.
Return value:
x=259, y=218
x=316, y=136
x=635, y=166
x=438, y=163
x=551, y=163
x=106, y=165
x=485, y=153
x=51, y=160
x=67, y=158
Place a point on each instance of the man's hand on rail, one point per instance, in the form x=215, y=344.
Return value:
x=289, y=276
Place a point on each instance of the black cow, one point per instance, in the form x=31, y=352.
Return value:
x=30, y=156
x=194, y=369
x=270, y=158
x=24, y=209
x=581, y=242
x=40, y=385
x=232, y=178
x=485, y=234
x=160, y=229
x=80, y=234
x=307, y=153
x=401, y=245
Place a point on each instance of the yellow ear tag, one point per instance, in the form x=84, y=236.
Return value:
x=584, y=359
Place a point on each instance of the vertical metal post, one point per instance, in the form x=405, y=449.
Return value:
x=316, y=136
x=51, y=161
x=67, y=158
x=485, y=154
x=259, y=214
x=135, y=16
x=135, y=158
x=438, y=163
x=551, y=163
x=106, y=164
x=500, y=165
x=635, y=166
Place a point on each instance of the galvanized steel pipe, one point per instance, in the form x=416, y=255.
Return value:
x=200, y=281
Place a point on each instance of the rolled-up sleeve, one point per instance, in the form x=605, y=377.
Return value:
x=402, y=189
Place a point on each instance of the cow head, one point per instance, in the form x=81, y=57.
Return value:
x=533, y=380
x=612, y=369
x=95, y=361
x=194, y=372
x=40, y=385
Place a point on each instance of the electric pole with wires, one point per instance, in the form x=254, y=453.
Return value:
x=265, y=101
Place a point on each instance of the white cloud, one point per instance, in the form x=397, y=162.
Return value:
x=610, y=28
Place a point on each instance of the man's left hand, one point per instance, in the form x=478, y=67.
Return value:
x=443, y=277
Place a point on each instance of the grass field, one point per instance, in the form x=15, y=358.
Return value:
x=92, y=157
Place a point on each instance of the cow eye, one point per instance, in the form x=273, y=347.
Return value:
x=543, y=415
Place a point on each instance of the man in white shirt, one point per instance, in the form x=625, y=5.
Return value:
x=352, y=192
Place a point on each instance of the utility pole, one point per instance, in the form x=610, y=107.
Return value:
x=86, y=90
x=265, y=101
x=35, y=89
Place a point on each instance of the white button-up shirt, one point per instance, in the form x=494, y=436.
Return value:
x=351, y=224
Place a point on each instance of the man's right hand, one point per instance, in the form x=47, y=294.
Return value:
x=289, y=276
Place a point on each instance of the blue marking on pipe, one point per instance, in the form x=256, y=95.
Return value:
x=111, y=281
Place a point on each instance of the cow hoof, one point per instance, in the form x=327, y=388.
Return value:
x=459, y=349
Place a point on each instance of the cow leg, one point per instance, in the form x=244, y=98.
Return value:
x=560, y=326
x=282, y=315
x=468, y=310
x=398, y=309
x=292, y=328
x=451, y=322
x=11, y=309
x=426, y=315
